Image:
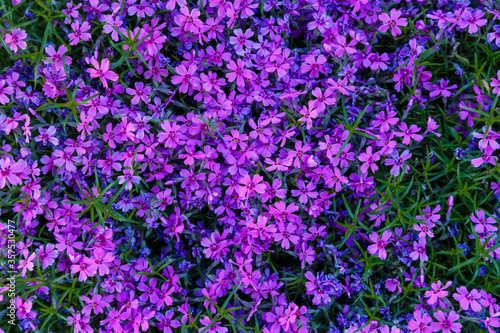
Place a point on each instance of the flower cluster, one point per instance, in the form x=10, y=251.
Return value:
x=273, y=166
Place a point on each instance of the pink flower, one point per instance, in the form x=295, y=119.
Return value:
x=442, y=89
x=10, y=171
x=58, y=57
x=15, y=39
x=488, y=300
x=102, y=71
x=425, y=229
x=385, y=121
x=250, y=185
x=409, y=133
x=394, y=22
x=140, y=92
x=96, y=304
x=419, y=250
x=308, y=114
x=47, y=255
x=492, y=321
x=428, y=215
x=483, y=224
x=369, y=158
x=285, y=234
x=214, y=328
x=305, y=191
x=495, y=83
x=380, y=243
x=238, y=72
x=446, y=322
x=172, y=135
x=186, y=78
x=314, y=66
x=486, y=158
x=437, y=291
x=472, y=20
x=398, y=162
x=488, y=139
x=240, y=39
x=4, y=91
x=393, y=284
x=335, y=179
x=466, y=299
x=79, y=32
x=420, y=323
x=27, y=263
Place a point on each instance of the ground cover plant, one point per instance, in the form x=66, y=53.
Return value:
x=249, y=166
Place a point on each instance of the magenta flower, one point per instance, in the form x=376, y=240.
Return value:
x=165, y=321
x=394, y=22
x=27, y=263
x=10, y=171
x=466, y=299
x=15, y=39
x=472, y=20
x=369, y=158
x=240, y=39
x=305, y=191
x=214, y=328
x=398, y=162
x=420, y=251
x=79, y=32
x=436, y=292
x=446, y=322
x=96, y=305
x=58, y=58
x=484, y=224
x=308, y=114
x=250, y=185
x=285, y=234
x=172, y=135
x=421, y=323
x=4, y=91
x=430, y=216
x=488, y=139
x=381, y=243
x=442, y=89
x=102, y=72
x=409, y=133
x=314, y=66
x=485, y=159
x=238, y=72
x=393, y=284
x=495, y=83
x=140, y=92
x=186, y=78
x=47, y=255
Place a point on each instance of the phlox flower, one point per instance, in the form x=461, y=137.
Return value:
x=409, y=133
x=79, y=32
x=15, y=39
x=398, y=162
x=102, y=71
x=446, y=322
x=394, y=21
x=436, y=292
x=308, y=114
x=421, y=323
x=381, y=243
x=369, y=158
x=10, y=171
x=468, y=299
x=472, y=20
x=419, y=250
x=484, y=224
